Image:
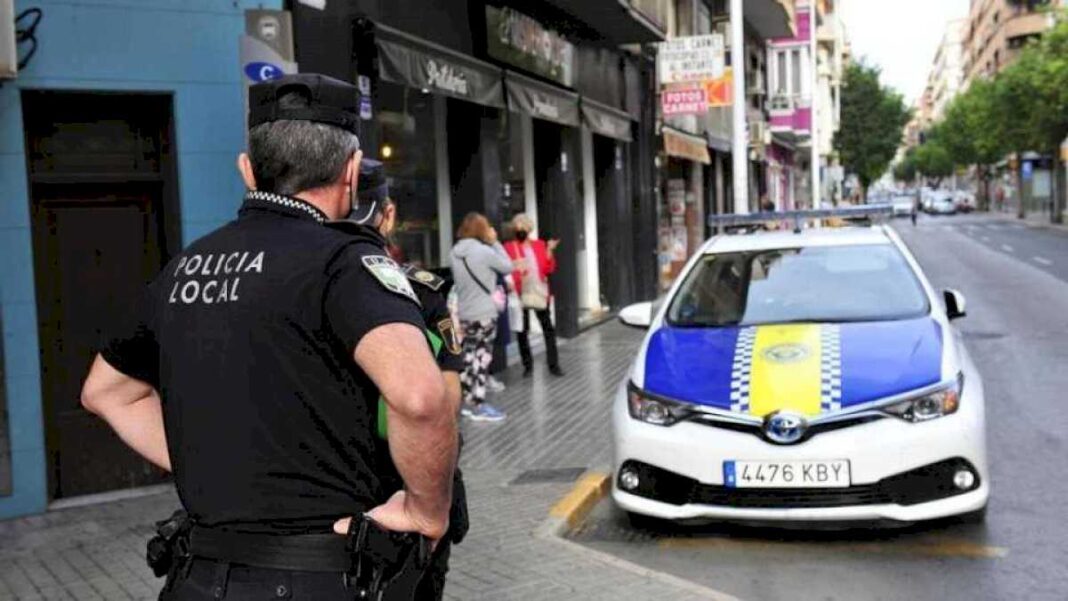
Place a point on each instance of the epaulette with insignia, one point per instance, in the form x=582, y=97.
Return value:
x=424, y=277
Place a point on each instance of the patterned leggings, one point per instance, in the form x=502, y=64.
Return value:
x=478, y=354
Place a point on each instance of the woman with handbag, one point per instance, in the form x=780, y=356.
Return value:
x=476, y=260
x=535, y=262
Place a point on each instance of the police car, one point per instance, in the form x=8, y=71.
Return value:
x=808, y=375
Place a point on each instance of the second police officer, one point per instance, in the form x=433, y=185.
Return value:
x=374, y=218
x=252, y=368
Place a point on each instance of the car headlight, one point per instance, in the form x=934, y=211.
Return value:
x=653, y=409
x=930, y=406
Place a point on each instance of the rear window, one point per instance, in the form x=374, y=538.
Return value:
x=815, y=284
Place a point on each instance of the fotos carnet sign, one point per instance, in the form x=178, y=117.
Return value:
x=691, y=100
x=691, y=59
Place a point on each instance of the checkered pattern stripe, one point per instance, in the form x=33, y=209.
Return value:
x=287, y=202
x=741, y=369
x=830, y=368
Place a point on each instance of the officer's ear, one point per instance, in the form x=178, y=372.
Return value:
x=352, y=173
x=244, y=167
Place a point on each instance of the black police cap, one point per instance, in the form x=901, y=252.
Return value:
x=372, y=190
x=330, y=101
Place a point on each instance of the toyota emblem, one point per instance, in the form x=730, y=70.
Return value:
x=785, y=427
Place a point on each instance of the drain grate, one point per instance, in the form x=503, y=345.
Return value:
x=560, y=474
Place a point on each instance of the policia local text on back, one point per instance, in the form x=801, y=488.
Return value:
x=265, y=405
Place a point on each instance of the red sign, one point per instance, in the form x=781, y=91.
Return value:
x=685, y=101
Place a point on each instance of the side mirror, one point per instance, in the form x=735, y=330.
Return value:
x=638, y=315
x=954, y=303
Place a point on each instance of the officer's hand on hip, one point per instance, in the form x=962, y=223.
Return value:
x=399, y=514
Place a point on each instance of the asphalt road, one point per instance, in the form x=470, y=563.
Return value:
x=1017, y=332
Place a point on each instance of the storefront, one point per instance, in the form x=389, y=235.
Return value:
x=681, y=211
x=511, y=117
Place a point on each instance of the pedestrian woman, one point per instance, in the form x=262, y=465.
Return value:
x=477, y=259
x=535, y=262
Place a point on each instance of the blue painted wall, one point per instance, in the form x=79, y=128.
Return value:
x=186, y=47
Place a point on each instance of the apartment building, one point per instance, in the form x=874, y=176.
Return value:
x=998, y=29
x=947, y=70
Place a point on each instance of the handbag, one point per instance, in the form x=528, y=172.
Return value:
x=500, y=299
x=535, y=295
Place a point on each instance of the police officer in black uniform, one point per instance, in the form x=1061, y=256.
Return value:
x=253, y=365
x=374, y=218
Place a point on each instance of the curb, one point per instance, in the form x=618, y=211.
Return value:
x=573, y=508
x=576, y=505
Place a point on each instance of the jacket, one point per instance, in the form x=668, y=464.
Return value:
x=486, y=262
x=546, y=261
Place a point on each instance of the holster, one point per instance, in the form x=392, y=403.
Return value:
x=386, y=565
x=169, y=548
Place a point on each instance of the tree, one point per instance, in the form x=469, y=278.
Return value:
x=1043, y=68
x=905, y=170
x=872, y=119
x=933, y=161
x=968, y=135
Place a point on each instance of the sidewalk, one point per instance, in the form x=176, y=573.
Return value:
x=1033, y=219
x=516, y=470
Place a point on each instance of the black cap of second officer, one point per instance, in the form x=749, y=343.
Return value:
x=330, y=101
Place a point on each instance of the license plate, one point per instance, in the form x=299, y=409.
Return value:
x=786, y=474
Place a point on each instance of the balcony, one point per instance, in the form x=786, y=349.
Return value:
x=1024, y=25
x=771, y=18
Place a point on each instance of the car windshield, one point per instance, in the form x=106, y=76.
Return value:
x=814, y=284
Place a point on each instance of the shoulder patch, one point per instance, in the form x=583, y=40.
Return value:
x=386, y=271
x=424, y=277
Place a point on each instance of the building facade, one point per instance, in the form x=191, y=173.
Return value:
x=832, y=58
x=509, y=107
x=117, y=147
x=790, y=108
x=996, y=31
x=695, y=169
x=947, y=70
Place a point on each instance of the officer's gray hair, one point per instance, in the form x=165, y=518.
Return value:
x=293, y=156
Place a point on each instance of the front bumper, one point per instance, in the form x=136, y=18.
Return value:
x=899, y=471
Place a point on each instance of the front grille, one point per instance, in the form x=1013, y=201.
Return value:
x=920, y=485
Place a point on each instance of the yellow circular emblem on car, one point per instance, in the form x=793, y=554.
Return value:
x=790, y=352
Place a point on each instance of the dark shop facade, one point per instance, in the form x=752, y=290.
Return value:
x=506, y=108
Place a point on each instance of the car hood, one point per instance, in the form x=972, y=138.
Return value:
x=811, y=368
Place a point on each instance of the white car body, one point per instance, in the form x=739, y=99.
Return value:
x=691, y=454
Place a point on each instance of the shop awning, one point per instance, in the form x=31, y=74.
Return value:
x=617, y=20
x=605, y=120
x=686, y=146
x=415, y=62
x=541, y=100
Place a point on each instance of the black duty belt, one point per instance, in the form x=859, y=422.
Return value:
x=302, y=552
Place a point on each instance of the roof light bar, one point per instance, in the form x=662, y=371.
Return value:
x=862, y=212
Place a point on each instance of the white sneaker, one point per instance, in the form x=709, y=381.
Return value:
x=494, y=385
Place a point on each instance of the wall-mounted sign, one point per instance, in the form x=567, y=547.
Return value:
x=688, y=100
x=514, y=38
x=690, y=59
x=417, y=63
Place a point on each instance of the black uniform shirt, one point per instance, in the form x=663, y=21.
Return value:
x=248, y=335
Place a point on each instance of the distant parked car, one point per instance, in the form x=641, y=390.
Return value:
x=943, y=205
x=903, y=203
x=964, y=200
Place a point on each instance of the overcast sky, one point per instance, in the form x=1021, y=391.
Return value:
x=901, y=36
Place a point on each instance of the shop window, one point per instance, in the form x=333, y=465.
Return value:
x=407, y=149
x=704, y=19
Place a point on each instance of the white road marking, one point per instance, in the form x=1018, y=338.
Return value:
x=1006, y=248
x=1042, y=261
